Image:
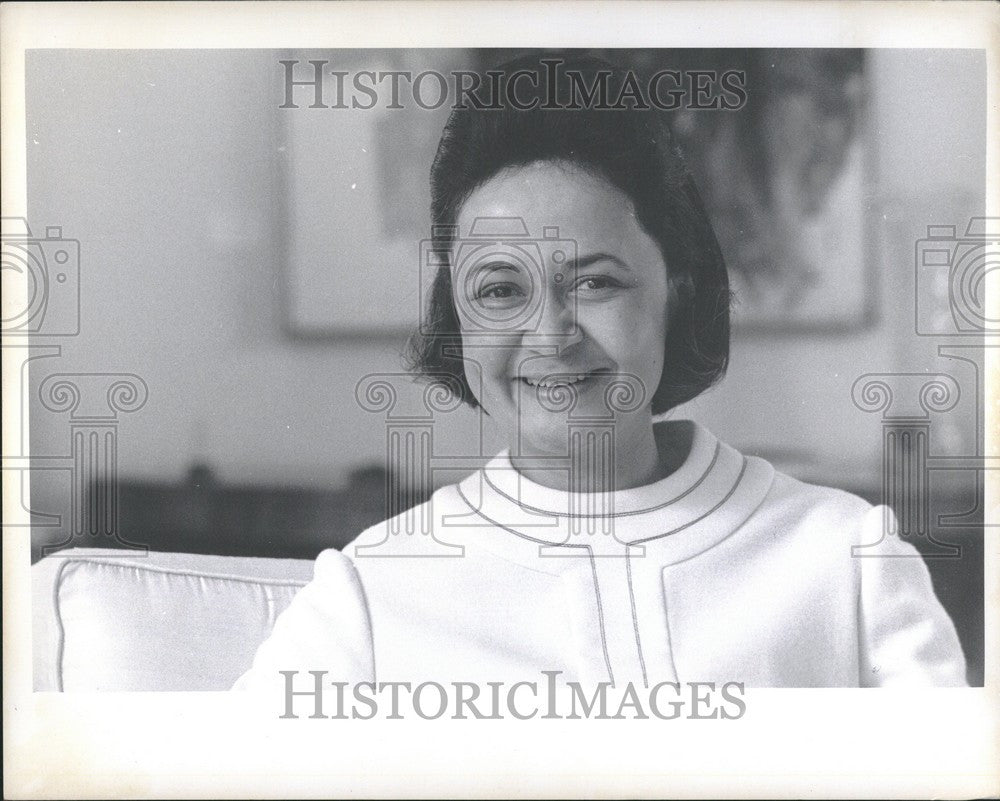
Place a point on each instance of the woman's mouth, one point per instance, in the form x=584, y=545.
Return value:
x=555, y=380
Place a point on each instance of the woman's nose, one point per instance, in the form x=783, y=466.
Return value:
x=556, y=323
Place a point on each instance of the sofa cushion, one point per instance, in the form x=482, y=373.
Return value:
x=115, y=620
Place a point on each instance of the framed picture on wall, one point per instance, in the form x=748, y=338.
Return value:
x=357, y=191
x=788, y=182
x=785, y=178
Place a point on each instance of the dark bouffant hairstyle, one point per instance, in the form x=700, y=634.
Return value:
x=631, y=149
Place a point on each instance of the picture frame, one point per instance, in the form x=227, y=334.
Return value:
x=785, y=178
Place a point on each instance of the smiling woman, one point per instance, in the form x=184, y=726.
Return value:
x=580, y=294
x=587, y=321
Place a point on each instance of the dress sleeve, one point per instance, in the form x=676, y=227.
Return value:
x=325, y=627
x=907, y=637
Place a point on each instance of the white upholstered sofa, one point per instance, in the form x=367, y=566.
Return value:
x=107, y=619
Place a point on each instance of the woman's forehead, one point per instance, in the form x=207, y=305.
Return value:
x=545, y=196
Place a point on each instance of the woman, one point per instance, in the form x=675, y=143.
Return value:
x=582, y=293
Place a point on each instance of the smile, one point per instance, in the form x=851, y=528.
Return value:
x=552, y=381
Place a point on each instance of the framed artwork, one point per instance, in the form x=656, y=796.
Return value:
x=785, y=179
x=357, y=193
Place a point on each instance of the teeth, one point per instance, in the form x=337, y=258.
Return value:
x=549, y=383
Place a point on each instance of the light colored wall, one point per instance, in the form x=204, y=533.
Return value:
x=165, y=166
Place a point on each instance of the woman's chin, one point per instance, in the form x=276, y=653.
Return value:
x=544, y=434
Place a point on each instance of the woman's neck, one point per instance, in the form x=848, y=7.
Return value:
x=598, y=462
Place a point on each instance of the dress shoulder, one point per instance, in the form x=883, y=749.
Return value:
x=905, y=635
x=831, y=500
x=390, y=537
x=327, y=627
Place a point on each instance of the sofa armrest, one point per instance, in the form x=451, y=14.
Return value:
x=117, y=620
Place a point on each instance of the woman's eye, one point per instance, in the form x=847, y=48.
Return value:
x=596, y=283
x=498, y=293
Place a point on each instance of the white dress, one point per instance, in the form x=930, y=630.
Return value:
x=724, y=571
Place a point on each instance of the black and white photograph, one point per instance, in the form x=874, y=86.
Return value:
x=367, y=384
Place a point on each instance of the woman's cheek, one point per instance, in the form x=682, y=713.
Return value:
x=623, y=331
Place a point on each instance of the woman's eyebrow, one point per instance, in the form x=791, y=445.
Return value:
x=495, y=266
x=583, y=262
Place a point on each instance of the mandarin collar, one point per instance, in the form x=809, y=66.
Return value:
x=698, y=505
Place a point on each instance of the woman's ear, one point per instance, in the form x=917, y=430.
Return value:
x=685, y=284
x=680, y=290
